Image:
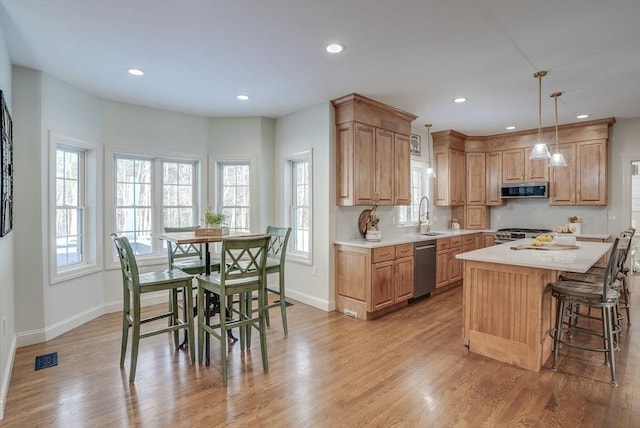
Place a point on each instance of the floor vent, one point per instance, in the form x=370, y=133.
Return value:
x=47, y=360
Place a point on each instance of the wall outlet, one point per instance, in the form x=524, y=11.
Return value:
x=351, y=313
x=314, y=270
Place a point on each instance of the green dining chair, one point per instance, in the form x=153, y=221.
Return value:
x=242, y=273
x=134, y=285
x=276, y=255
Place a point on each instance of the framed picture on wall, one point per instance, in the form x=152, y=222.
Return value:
x=415, y=146
x=6, y=155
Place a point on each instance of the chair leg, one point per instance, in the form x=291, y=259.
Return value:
x=201, y=317
x=223, y=343
x=283, y=304
x=188, y=318
x=607, y=313
x=173, y=319
x=625, y=296
x=557, y=333
x=263, y=331
x=135, y=339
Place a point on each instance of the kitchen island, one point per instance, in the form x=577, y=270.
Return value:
x=507, y=304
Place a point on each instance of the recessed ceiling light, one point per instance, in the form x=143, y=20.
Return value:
x=136, y=72
x=582, y=116
x=459, y=100
x=335, y=48
x=511, y=127
x=243, y=97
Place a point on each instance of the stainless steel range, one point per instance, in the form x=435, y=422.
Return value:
x=511, y=234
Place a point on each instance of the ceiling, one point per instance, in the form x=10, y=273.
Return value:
x=414, y=55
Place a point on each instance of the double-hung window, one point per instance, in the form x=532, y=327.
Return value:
x=299, y=201
x=235, y=194
x=75, y=201
x=152, y=193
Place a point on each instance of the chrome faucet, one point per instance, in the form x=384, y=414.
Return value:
x=426, y=215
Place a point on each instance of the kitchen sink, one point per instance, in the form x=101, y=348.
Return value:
x=433, y=233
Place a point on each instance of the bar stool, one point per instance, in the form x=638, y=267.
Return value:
x=589, y=295
x=276, y=254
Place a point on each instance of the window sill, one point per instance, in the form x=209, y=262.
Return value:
x=74, y=273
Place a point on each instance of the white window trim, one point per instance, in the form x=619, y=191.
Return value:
x=93, y=207
x=110, y=260
x=216, y=197
x=287, y=203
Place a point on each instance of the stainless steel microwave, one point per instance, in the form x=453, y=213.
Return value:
x=525, y=190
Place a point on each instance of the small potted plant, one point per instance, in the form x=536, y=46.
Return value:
x=213, y=224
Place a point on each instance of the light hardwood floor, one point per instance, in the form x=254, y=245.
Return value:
x=407, y=369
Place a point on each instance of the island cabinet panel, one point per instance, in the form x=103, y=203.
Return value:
x=508, y=311
x=373, y=281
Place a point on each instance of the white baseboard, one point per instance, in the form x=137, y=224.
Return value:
x=6, y=376
x=310, y=300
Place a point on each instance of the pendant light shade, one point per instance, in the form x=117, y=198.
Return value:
x=540, y=150
x=557, y=160
x=430, y=171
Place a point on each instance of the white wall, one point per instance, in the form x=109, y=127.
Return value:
x=7, y=281
x=310, y=130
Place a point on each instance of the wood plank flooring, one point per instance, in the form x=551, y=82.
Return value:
x=406, y=369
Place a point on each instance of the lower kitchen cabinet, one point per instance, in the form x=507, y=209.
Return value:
x=448, y=268
x=373, y=281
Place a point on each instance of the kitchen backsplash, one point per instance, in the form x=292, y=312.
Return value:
x=531, y=213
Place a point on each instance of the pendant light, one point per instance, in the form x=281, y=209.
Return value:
x=430, y=171
x=558, y=158
x=540, y=150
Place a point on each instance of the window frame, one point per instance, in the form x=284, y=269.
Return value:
x=219, y=205
x=91, y=195
x=288, y=202
x=158, y=254
x=407, y=210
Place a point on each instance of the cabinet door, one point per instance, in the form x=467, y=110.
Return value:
x=489, y=240
x=364, y=155
x=402, y=192
x=404, y=279
x=385, y=169
x=382, y=291
x=562, y=180
x=455, y=265
x=344, y=164
x=591, y=173
x=493, y=178
x=476, y=180
x=441, y=158
x=513, y=166
x=442, y=268
x=476, y=217
x=457, y=177
x=535, y=169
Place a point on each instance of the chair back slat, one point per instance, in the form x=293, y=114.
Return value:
x=182, y=251
x=127, y=260
x=611, y=271
x=278, y=242
x=243, y=257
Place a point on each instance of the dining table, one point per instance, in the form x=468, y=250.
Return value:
x=190, y=237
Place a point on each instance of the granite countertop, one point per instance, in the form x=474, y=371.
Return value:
x=408, y=238
x=574, y=260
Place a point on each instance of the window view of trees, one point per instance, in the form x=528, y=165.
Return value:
x=69, y=206
x=301, y=206
x=133, y=208
x=235, y=182
x=178, y=194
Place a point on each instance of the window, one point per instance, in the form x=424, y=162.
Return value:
x=75, y=201
x=70, y=197
x=235, y=194
x=144, y=183
x=299, y=198
x=408, y=215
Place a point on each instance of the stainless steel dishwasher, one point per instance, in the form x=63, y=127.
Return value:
x=424, y=268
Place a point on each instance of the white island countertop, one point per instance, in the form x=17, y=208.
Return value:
x=574, y=260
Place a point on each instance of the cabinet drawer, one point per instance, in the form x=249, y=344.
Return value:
x=404, y=250
x=456, y=241
x=469, y=239
x=443, y=244
x=383, y=254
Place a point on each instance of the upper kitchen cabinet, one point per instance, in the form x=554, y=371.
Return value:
x=584, y=180
x=518, y=168
x=493, y=179
x=372, y=152
x=448, y=152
